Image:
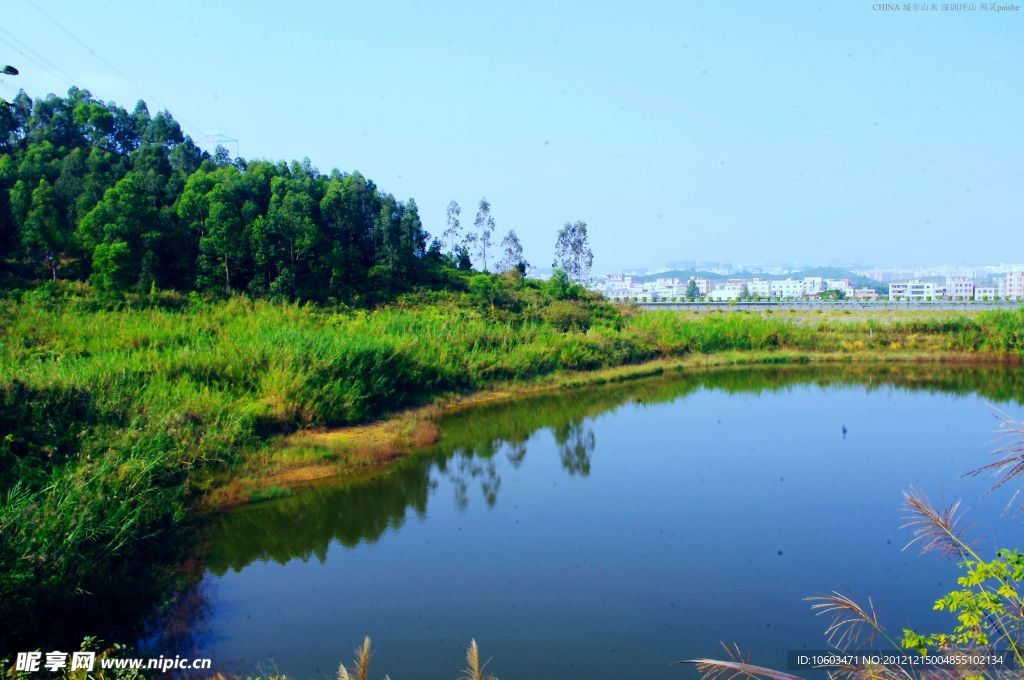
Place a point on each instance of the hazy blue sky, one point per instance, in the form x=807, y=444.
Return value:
x=739, y=131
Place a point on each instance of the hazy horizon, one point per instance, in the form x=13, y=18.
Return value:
x=775, y=133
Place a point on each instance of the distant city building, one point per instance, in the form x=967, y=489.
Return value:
x=812, y=285
x=986, y=292
x=704, y=285
x=1013, y=286
x=628, y=287
x=728, y=292
x=759, y=288
x=864, y=294
x=960, y=287
x=842, y=285
x=913, y=290
x=787, y=289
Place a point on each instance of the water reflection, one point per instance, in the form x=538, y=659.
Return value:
x=304, y=526
x=565, y=523
x=575, y=443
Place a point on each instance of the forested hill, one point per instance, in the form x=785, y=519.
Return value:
x=128, y=202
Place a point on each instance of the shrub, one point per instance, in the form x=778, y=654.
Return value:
x=566, y=315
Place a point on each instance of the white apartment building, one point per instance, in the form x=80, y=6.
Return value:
x=913, y=290
x=787, y=288
x=842, y=285
x=812, y=285
x=726, y=293
x=960, y=287
x=759, y=287
x=1013, y=286
x=864, y=294
x=986, y=292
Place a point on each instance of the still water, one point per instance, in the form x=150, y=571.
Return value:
x=605, y=532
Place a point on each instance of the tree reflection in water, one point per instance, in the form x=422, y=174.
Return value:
x=575, y=442
x=305, y=525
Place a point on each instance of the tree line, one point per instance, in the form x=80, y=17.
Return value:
x=128, y=202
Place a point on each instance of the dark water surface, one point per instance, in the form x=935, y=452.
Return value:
x=604, y=532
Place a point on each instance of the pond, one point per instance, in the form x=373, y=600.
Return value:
x=607, y=531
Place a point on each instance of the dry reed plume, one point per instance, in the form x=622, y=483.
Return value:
x=935, y=529
x=738, y=666
x=1010, y=463
x=849, y=619
x=474, y=669
x=361, y=664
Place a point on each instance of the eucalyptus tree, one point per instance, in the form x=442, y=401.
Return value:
x=125, y=199
x=484, y=226
x=286, y=237
x=512, y=254
x=126, y=214
x=572, y=251
x=42, y=234
x=453, y=229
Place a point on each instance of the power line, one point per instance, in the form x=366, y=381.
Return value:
x=40, y=60
x=34, y=60
x=107, y=63
x=218, y=139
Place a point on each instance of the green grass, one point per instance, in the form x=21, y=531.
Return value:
x=111, y=421
x=270, y=493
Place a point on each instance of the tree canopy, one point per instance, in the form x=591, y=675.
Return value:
x=126, y=200
x=572, y=251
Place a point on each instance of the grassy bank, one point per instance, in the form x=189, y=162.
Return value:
x=115, y=423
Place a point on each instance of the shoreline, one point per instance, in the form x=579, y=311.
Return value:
x=362, y=452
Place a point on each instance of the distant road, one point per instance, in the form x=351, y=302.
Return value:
x=821, y=304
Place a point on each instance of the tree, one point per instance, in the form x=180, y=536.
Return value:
x=126, y=213
x=484, y=225
x=219, y=209
x=349, y=208
x=112, y=267
x=560, y=287
x=225, y=231
x=283, y=238
x=86, y=183
x=512, y=254
x=453, y=231
x=462, y=259
x=42, y=235
x=692, y=291
x=572, y=251
x=414, y=237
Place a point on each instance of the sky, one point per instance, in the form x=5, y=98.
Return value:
x=747, y=132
